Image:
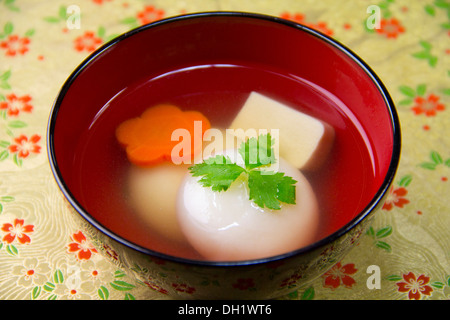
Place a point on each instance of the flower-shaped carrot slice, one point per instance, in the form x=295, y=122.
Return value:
x=148, y=138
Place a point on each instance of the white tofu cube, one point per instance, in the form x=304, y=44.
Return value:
x=304, y=141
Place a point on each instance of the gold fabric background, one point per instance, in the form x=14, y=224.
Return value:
x=44, y=256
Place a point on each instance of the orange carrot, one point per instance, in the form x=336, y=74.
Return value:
x=147, y=139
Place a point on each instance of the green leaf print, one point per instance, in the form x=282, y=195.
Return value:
x=407, y=91
x=49, y=286
x=405, y=181
x=383, y=245
x=436, y=160
x=12, y=250
x=425, y=54
x=7, y=30
x=383, y=232
x=121, y=285
x=9, y=4
x=380, y=234
x=61, y=16
x=103, y=293
x=35, y=293
x=394, y=277
x=308, y=294
x=129, y=296
x=411, y=93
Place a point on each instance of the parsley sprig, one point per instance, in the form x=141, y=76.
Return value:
x=266, y=188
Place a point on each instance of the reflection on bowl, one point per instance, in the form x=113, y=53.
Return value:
x=211, y=62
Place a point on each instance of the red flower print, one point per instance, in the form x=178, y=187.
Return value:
x=17, y=230
x=87, y=42
x=244, y=284
x=416, y=287
x=338, y=275
x=390, y=28
x=99, y=1
x=110, y=252
x=396, y=198
x=321, y=27
x=291, y=281
x=296, y=17
x=15, y=45
x=347, y=26
x=14, y=105
x=150, y=14
x=24, y=146
x=155, y=287
x=428, y=106
x=300, y=18
x=181, y=287
x=81, y=246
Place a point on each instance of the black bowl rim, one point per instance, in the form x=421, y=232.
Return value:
x=377, y=198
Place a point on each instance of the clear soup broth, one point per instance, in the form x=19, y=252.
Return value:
x=343, y=184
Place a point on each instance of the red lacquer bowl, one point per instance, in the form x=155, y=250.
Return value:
x=250, y=52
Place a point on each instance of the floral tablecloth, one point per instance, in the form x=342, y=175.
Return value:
x=404, y=255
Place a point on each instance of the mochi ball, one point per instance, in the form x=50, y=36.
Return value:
x=227, y=226
x=153, y=190
x=153, y=196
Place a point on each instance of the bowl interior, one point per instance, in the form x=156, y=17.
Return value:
x=211, y=63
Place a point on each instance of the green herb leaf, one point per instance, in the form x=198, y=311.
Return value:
x=266, y=188
x=263, y=189
x=269, y=189
x=286, y=190
x=258, y=152
x=217, y=172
